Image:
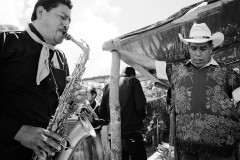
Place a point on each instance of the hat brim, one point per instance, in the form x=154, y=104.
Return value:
x=217, y=39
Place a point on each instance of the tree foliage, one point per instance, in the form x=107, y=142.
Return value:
x=4, y=27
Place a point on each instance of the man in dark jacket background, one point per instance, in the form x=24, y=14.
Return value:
x=132, y=101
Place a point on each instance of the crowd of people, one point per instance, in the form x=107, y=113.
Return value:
x=204, y=94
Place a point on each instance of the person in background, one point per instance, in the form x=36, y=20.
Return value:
x=204, y=95
x=97, y=124
x=132, y=101
x=34, y=74
x=104, y=109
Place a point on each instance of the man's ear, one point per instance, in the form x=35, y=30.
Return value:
x=40, y=12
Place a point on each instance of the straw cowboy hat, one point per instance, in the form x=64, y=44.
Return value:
x=200, y=33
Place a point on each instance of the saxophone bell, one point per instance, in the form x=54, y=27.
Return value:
x=78, y=133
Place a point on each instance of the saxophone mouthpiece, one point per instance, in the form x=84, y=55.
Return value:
x=68, y=36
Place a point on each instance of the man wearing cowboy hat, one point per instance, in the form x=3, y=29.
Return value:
x=203, y=94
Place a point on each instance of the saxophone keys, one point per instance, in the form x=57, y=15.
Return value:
x=64, y=143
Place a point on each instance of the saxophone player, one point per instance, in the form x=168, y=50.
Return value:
x=35, y=76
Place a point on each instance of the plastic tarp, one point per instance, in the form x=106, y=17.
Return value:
x=160, y=40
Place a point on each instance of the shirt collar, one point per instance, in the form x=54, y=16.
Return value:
x=212, y=62
x=35, y=31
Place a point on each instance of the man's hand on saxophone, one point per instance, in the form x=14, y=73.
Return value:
x=39, y=139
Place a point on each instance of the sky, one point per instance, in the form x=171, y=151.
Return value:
x=97, y=21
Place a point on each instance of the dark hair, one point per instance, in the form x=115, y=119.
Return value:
x=210, y=43
x=128, y=71
x=48, y=5
x=93, y=91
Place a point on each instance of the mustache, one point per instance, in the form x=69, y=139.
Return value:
x=64, y=30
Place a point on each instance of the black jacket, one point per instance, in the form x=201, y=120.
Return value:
x=23, y=102
x=132, y=101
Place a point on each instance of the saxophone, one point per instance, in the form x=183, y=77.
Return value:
x=58, y=124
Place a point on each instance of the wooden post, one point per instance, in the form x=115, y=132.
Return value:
x=105, y=142
x=116, y=147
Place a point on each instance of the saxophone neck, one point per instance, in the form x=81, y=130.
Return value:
x=82, y=44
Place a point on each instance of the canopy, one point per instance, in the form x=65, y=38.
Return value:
x=160, y=40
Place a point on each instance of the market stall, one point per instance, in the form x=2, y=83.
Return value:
x=160, y=40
